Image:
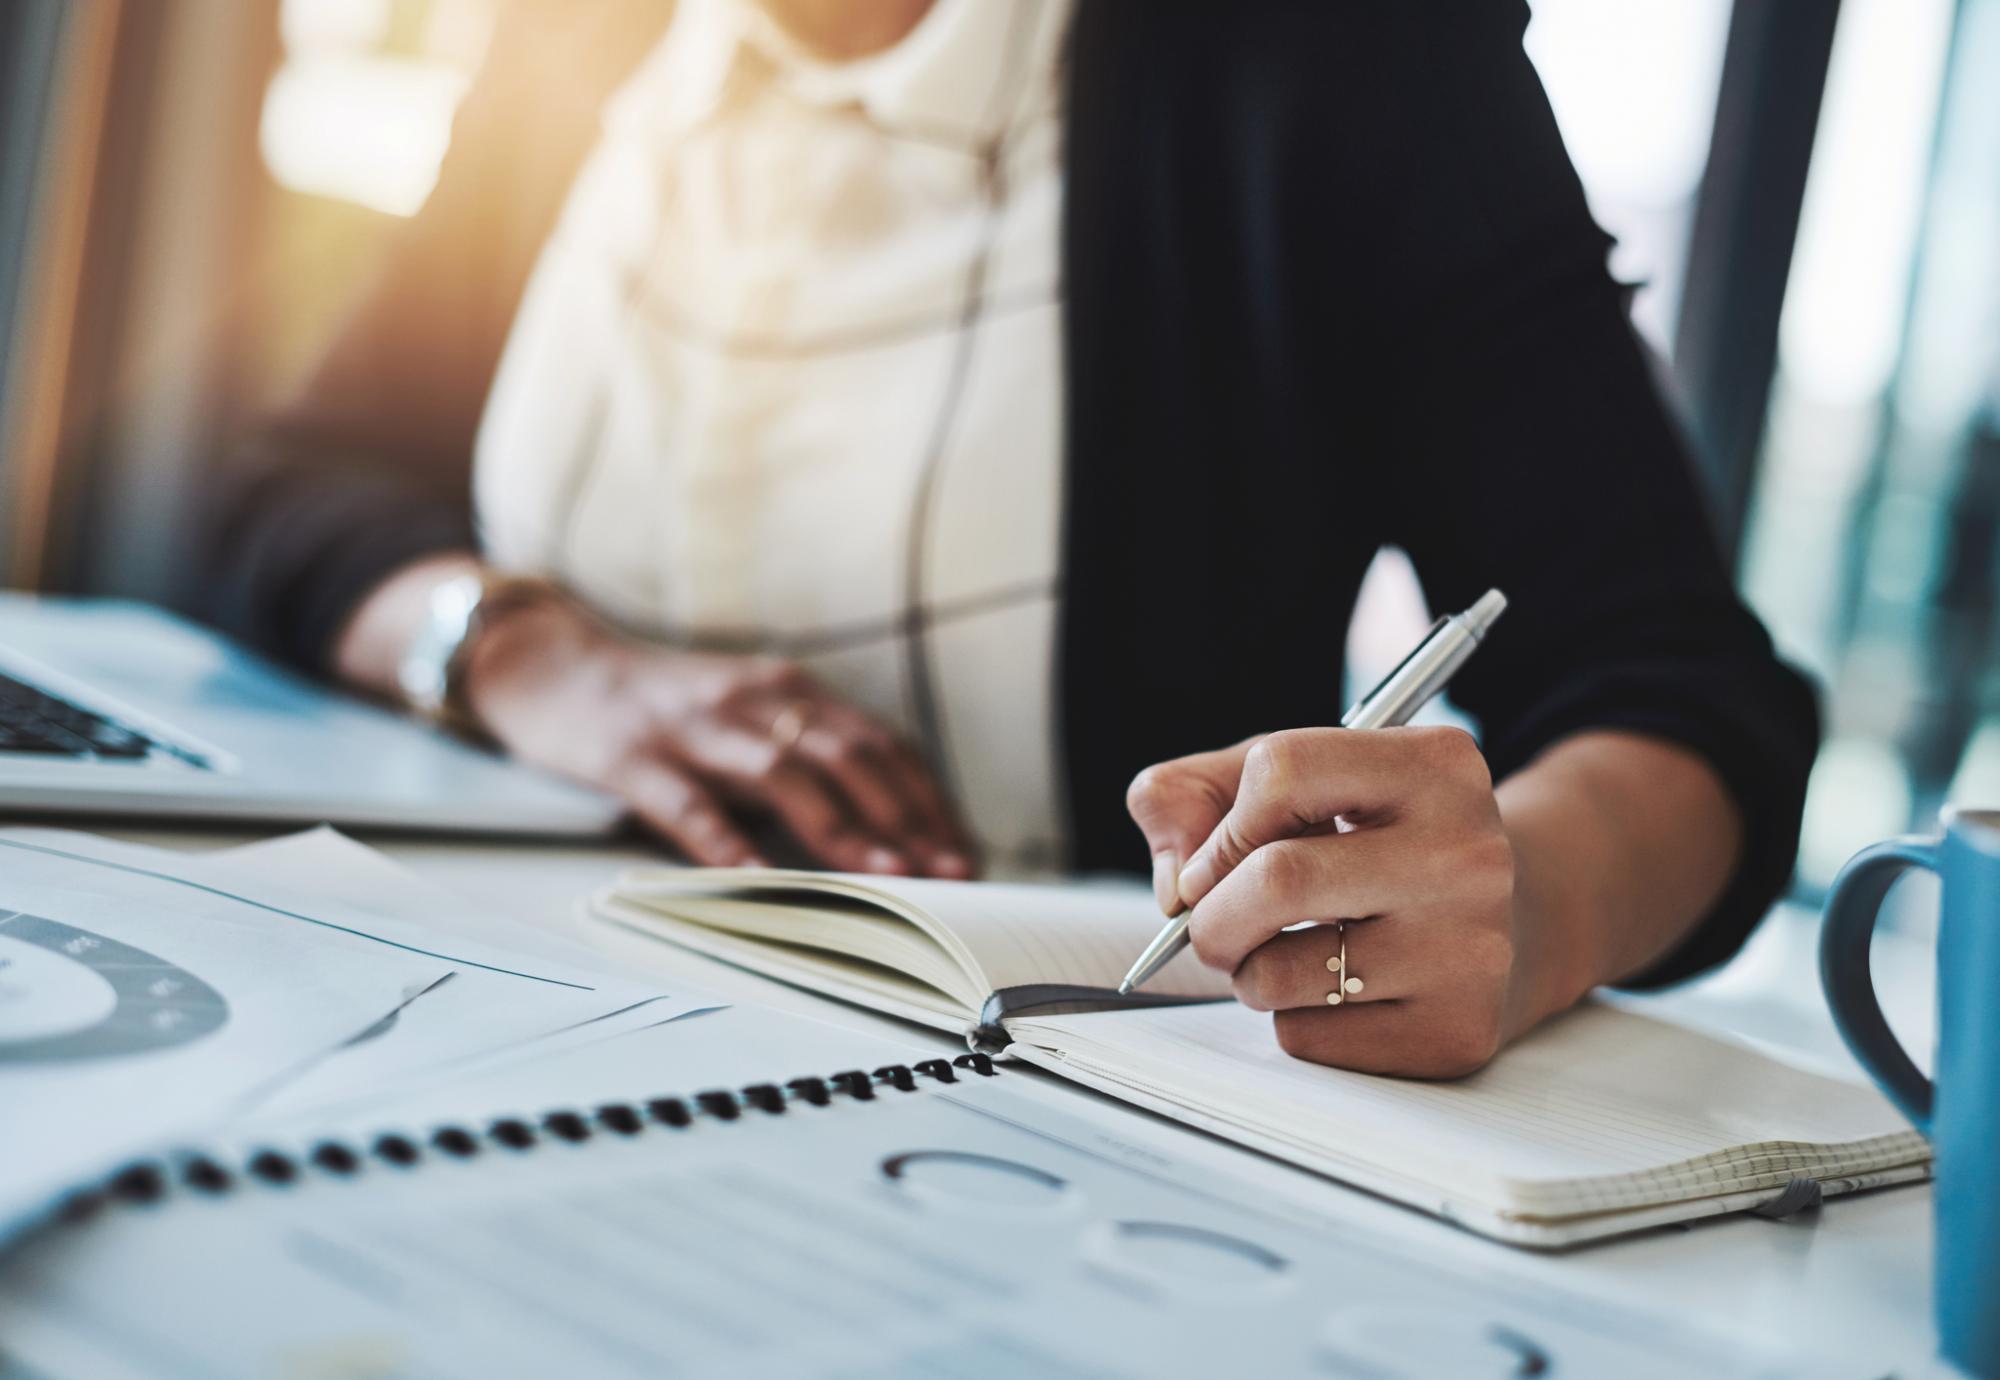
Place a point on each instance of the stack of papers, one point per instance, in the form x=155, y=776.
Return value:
x=146, y=994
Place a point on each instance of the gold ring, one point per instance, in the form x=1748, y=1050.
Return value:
x=1349, y=985
x=791, y=724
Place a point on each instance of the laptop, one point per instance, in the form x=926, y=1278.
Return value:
x=120, y=709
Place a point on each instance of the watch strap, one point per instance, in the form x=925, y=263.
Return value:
x=433, y=673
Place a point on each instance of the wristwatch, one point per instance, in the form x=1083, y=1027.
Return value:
x=431, y=674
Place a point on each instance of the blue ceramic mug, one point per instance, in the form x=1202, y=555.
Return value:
x=1960, y=1112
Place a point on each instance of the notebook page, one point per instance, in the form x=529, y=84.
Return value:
x=802, y=921
x=1004, y=934
x=1083, y=933
x=1600, y=1110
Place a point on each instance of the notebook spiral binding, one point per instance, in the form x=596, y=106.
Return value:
x=150, y=1180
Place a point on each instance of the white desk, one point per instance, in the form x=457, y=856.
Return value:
x=1850, y=1282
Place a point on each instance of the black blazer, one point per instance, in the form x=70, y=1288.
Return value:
x=1330, y=284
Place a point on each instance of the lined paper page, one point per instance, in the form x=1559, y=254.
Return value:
x=1002, y=934
x=1087, y=934
x=847, y=928
x=1599, y=1110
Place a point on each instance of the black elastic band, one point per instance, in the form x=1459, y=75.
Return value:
x=1798, y=1195
x=991, y=1033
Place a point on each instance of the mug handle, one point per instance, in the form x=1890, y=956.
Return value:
x=1851, y=909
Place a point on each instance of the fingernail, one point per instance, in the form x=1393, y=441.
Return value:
x=884, y=860
x=953, y=865
x=1167, y=881
x=1195, y=880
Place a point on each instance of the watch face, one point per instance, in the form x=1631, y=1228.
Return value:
x=66, y=993
x=425, y=671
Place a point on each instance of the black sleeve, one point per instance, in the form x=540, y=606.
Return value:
x=369, y=466
x=1529, y=450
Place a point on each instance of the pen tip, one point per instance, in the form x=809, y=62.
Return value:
x=1125, y=988
x=1485, y=612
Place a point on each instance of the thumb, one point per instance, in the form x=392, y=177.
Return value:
x=1177, y=805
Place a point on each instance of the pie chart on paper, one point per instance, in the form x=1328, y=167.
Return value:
x=68, y=994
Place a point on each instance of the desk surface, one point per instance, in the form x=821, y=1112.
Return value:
x=1851, y=1282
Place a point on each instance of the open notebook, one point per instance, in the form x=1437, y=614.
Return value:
x=1602, y=1122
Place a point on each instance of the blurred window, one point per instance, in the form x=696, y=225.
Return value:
x=1870, y=547
x=360, y=109
x=1634, y=85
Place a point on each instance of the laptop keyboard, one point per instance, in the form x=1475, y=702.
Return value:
x=32, y=720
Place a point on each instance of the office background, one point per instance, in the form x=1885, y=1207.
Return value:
x=1808, y=195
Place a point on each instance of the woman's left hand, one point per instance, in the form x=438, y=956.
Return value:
x=1394, y=831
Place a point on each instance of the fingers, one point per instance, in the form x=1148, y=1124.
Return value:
x=1434, y=982
x=1305, y=779
x=845, y=789
x=1405, y=1039
x=1300, y=968
x=889, y=786
x=761, y=732
x=1320, y=877
x=1396, y=831
x=685, y=735
x=675, y=806
x=856, y=770
x=1176, y=805
x=886, y=795
x=750, y=768
x=933, y=809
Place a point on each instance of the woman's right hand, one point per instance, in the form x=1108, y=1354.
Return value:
x=694, y=742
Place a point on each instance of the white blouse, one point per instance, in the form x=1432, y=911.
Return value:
x=787, y=377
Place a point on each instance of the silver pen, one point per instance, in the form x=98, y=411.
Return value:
x=1405, y=690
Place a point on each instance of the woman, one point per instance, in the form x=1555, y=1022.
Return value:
x=981, y=400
